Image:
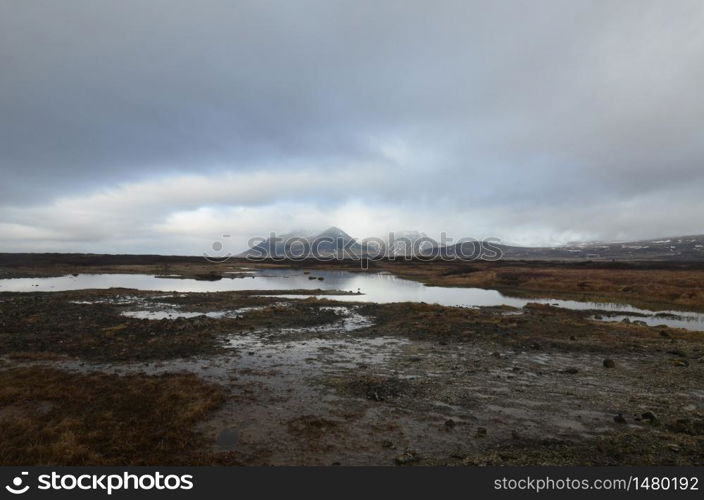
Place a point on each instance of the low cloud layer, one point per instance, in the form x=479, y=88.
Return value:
x=157, y=126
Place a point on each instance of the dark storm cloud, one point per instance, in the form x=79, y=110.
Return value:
x=491, y=108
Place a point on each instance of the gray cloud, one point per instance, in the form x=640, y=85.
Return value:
x=534, y=120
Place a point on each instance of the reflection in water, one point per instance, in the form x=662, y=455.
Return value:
x=374, y=287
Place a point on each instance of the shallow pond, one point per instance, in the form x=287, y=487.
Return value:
x=374, y=287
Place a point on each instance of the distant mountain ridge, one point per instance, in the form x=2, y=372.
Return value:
x=674, y=248
x=334, y=242
x=331, y=242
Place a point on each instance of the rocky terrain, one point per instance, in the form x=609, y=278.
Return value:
x=128, y=377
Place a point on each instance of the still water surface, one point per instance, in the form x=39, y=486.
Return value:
x=374, y=287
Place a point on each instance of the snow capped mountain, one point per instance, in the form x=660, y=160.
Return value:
x=331, y=242
x=408, y=243
x=336, y=242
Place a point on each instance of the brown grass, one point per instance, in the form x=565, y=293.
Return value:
x=51, y=417
x=538, y=325
x=647, y=286
x=51, y=324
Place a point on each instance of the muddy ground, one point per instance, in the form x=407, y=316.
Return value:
x=128, y=377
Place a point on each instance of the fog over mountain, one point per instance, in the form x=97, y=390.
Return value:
x=336, y=243
x=160, y=126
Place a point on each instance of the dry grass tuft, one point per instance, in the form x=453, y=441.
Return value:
x=52, y=417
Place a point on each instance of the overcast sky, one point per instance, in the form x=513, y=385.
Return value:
x=158, y=125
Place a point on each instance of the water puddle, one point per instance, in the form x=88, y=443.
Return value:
x=159, y=314
x=360, y=287
x=347, y=352
x=688, y=321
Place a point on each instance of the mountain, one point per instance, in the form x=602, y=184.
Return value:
x=400, y=243
x=335, y=242
x=331, y=242
x=674, y=248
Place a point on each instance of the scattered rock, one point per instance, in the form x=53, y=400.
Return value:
x=407, y=457
x=387, y=444
x=449, y=423
x=650, y=417
x=681, y=362
x=620, y=419
x=609, y=363
x=481, y=431
x=663, y=333
x=380, y=388
x=571, y=370
x=673, y=447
